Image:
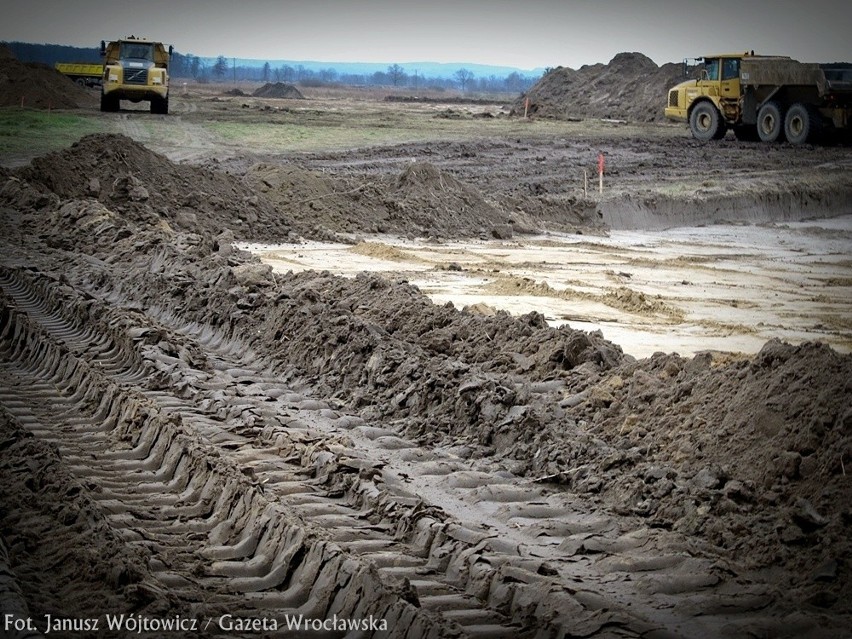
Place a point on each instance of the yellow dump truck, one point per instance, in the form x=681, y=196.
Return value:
x=135, y=70
x=767, y=98
x=86, y=74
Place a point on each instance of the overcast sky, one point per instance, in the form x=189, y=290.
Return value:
x=520, y=33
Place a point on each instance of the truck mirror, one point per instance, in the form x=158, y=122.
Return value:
x=171, y=48
x=103, y=47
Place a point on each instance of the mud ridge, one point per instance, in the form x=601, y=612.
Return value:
x=159, y=457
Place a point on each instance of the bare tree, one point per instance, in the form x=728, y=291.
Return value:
x=328, y=75
x=396, y=74
x=463, y=77
x=266, y=69
x=221, y=67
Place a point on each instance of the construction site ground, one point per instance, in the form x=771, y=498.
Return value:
x=403, y=365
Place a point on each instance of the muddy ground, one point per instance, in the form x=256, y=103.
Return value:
x=189, y=435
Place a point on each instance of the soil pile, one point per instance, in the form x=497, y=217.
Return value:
x=150, y=190
x=278, y=90
x=311, y=198
x=630, y=87
x=441, y=205
x=37, y=86
x=421, y=200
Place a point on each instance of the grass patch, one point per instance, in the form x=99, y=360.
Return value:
x=31, y=132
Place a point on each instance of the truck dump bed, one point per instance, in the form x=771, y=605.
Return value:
x=80, y=68
x=779, y=71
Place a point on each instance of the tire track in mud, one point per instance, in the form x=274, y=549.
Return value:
x=166, y=491
x=252, y=498
x=154, y=492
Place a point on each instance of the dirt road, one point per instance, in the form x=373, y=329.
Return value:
x=191, y=437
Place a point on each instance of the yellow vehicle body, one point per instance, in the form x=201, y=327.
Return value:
x=83, y=73
x=767, y=98
x=136, y=70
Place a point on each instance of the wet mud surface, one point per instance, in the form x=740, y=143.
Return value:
x=187, y=434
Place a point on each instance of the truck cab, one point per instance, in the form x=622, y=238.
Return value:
x=712, y=101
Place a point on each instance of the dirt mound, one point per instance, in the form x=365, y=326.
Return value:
x=278, y=90
x=439, y=204
x=311, y=198
x=37, y=86
x=150, y=190
x=746, y=452
x=421, y=200
x=630, y=87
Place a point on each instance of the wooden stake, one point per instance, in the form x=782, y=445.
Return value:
x=526, y=107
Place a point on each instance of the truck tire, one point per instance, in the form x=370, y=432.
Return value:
x=160, y=105
x=705, y=122
x=109, y=103
x=770, y=122
x=802, y=124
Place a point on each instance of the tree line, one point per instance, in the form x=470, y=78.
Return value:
x=223, y=69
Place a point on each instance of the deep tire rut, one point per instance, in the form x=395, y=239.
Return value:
x=249, y=497
x=205, y=500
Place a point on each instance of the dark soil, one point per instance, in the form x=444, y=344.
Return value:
x=747, y=453
x=37, y=86
x=628, y=87
x=278, y=90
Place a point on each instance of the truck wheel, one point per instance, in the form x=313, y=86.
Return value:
x=108, y=103
x=770, y=122
x=705, y=122
x=160, y=106
x=802, y=124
